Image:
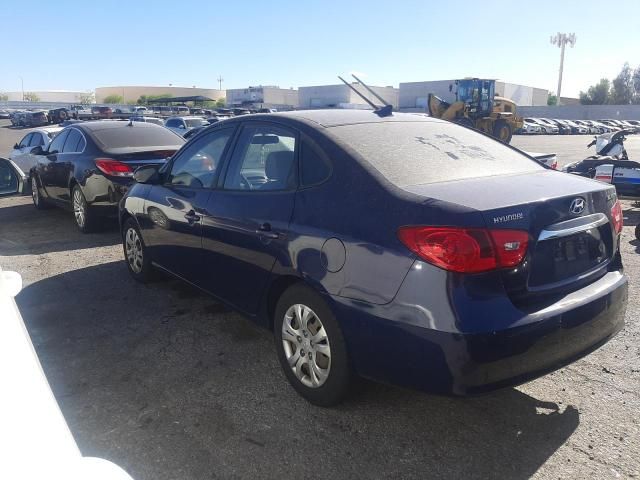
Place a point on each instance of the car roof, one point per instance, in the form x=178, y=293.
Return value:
x=107, y=124
x=48, y=129
x=186, y=117
x=336, y=117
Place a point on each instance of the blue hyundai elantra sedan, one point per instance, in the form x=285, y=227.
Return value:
x=399, y=248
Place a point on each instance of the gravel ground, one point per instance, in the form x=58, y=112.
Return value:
x=169, y=384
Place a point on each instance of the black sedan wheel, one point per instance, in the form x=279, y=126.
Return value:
x=85, y=218
x=135, y=254
x=38, y=201
x=310, y=346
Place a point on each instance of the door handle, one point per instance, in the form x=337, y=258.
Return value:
x=192, y=217
x=265, y=231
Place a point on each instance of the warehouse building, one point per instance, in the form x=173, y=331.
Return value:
x=267, y=96
x=341, y=96
x=133, y=93
x=413, y=95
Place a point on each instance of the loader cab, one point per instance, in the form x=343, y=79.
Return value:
x=477, y=94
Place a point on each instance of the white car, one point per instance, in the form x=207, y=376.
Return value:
x=545, y=126
x=529, y=127
x=182, y=125
x=36, y=439
x=21, y=154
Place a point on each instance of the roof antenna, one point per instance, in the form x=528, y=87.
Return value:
x=383, y=111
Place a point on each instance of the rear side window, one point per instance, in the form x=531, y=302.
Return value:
x=73, y=141
x=415, y=153
x=314, y=167
x=58, y=142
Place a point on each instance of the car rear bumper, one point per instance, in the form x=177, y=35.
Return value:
x=401, y=352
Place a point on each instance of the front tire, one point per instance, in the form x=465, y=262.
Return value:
x=135, y=252
x=310, y=346
x=637, y=232
x=85, y=218
x=38, y=202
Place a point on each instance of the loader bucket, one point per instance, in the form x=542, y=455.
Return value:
x=436, y=106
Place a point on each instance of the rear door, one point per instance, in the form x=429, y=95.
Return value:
x=174, y=211
x=245, y=230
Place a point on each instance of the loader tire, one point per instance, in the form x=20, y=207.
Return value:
x=502, y=131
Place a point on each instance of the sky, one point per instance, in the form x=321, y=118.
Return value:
x=81, y=45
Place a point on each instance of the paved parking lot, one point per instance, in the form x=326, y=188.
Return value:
x=169, y=384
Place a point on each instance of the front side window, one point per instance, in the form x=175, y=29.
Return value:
x=197, y=166
x=36, y=140
x=26, y=140
x=264, y=159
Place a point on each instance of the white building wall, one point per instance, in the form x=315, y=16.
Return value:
x=49, y=96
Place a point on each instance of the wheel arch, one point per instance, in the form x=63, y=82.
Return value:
x=275, y=290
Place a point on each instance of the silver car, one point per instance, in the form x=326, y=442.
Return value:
x=21, y=154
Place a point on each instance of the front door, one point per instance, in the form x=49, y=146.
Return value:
x=245, y=229
x=46, y=168
x=173, y=211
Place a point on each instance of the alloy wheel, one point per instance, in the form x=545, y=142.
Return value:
x=306, y=345
x=133, y=249
x=79, y=208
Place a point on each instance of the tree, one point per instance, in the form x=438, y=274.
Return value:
x=31, y=97
x=622, y=87
x=87, y=98
x=636, y=85
x=144, y=99
x=552, y=99
x=220, y=102
x=597, y=94
x=113, y=99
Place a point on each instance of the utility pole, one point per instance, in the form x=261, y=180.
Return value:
x=220, y=80
x=561, y=40
x=22, y=85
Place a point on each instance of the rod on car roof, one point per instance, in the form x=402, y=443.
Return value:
x=383, y=111
x=384, y=102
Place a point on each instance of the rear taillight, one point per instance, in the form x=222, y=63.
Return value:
x=466, y=250
x=112, y=167
x=616, y=216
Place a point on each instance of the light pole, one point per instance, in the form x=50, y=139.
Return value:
x=22, y=86
x=220, y=80
x=561, y=40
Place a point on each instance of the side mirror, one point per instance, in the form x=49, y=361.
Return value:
x=11, y=181
x=147, y=174
x=16, y=147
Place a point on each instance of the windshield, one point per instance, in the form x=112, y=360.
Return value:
x=126, y=136
x=411, y=153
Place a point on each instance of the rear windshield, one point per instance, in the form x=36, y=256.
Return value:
x=126, y=136
x=195, y=122
x=415, y=153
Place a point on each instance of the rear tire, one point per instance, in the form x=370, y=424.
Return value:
x=85, y=217
x=502, y=131
x=310, y=347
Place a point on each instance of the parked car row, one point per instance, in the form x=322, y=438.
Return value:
x=365, y=251
x=554, y=126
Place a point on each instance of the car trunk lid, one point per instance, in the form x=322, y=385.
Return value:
x=568, y=218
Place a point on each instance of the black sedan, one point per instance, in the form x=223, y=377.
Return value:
x=88, y=166
x=400, y=248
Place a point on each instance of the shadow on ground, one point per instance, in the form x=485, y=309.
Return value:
x=169, y=384
x=25, y=230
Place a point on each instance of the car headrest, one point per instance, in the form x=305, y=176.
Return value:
x=278, y=166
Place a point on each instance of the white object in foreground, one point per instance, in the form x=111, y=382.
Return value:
x=35, y=441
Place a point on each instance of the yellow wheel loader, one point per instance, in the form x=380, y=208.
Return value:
x=476, y=106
